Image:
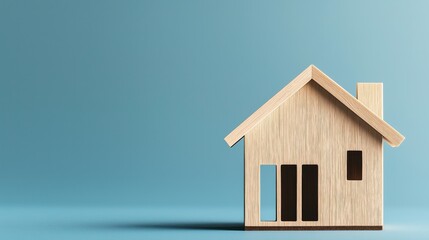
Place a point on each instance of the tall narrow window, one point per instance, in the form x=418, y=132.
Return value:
x=288, y=195
x=354, y=165
x=268, y=193
x=310, y=194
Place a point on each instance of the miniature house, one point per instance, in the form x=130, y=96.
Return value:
x=326, y=147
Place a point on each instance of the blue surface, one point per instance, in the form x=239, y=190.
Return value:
x=125, y=104
x=180, y=223
x=268, y=201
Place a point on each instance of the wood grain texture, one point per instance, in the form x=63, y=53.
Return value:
x=314, y=127
x=371, y=95
x=393, y=137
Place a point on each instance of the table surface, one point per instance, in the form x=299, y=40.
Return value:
x=179, y=223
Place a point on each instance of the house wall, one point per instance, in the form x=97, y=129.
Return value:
x=312, y=127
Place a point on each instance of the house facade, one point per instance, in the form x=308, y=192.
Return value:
x=326, y=147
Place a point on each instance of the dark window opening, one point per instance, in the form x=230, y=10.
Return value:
x=288, y=192
x=354, y=165
x=310, y=193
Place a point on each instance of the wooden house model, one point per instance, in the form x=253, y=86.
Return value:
x=326, y=147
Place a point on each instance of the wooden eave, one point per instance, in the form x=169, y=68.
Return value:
x=393, y=137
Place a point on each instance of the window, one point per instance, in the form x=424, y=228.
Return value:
x=310, y=193
x=268, y=194
x=354, y=165
x=288, y=192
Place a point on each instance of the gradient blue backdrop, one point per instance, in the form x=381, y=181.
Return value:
x=126, y=103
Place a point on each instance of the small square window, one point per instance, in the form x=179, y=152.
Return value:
x=354, y=165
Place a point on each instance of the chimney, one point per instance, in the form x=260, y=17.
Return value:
x=371, y=95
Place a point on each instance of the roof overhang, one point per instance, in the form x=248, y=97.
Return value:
x=393, y=137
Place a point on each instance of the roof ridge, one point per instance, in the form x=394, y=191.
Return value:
x=393, y=137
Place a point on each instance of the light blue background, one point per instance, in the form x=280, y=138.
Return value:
x=125, y=104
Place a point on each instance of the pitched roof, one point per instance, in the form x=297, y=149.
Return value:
x=393, y=137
